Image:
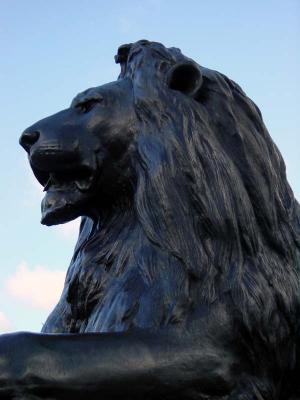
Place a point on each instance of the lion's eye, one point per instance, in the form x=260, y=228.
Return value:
x=87, y=105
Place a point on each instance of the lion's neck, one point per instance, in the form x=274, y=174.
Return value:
x=100, y=233
x=114, y=258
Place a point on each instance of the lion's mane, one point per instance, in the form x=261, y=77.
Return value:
x=213, y=217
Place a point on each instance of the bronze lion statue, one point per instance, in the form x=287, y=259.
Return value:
x=184, y=283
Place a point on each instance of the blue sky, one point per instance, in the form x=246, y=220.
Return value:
x=52, y=50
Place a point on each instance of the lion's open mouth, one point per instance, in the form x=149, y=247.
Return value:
x=66, y=191
x=82, y=178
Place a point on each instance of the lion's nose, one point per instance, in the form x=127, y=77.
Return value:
x=27, y=139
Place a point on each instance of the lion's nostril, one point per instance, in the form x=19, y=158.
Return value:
x=28, y=139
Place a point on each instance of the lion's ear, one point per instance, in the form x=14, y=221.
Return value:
x=185, y=77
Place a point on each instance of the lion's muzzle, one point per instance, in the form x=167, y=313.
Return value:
x=28, y=138
x=61, y=165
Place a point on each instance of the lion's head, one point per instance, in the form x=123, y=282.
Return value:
x=186, y=151
x=81, y=155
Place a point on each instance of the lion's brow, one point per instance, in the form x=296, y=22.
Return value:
x=85, y=96
x=76, y=100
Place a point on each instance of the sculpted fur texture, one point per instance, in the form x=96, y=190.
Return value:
x=189, y=224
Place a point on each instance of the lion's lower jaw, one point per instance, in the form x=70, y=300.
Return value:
x=59, y=207
x=58, y=216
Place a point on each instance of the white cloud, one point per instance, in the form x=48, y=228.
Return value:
x=5, y=324
x=39, y=287
x=69, y=230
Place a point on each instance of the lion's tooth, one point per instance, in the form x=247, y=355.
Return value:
x=84, y=184
x=48, y=184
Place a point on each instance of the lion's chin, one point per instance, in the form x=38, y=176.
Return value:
x=60, y=206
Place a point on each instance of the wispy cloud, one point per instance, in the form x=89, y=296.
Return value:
x=5, y=324
x=131, y=14
x=39, y=287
